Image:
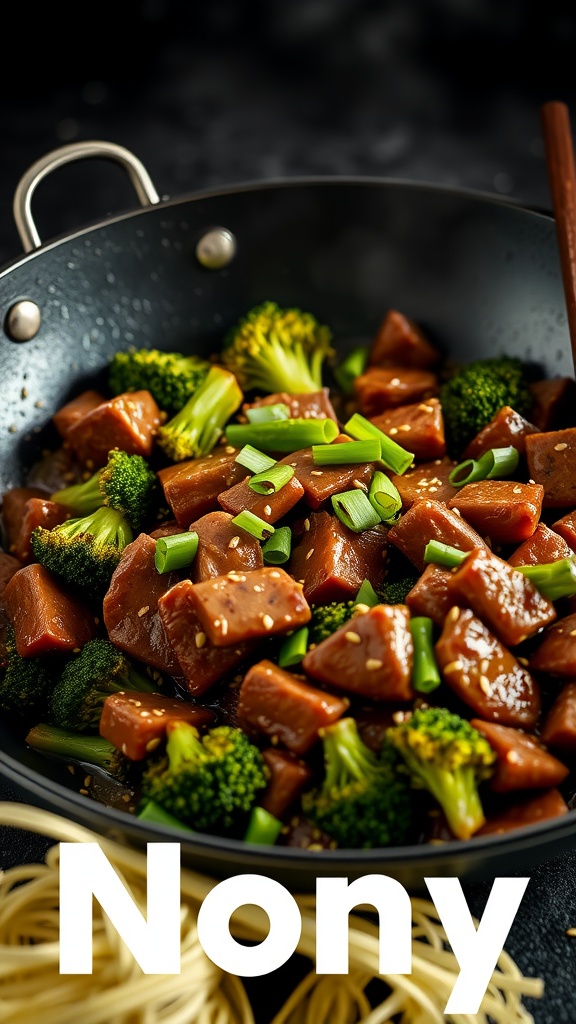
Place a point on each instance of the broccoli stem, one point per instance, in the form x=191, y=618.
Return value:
x=263, y=828
x=444, y=554
x=89, y=749
x=183, y=745
x=425, y=674
x=82, y=498
x=345, y=755
x=554, y=580
x=154, y=813
x=194, y=430
x=456, y=791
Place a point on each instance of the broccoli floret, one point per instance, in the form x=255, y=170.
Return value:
x=473, y=396
x=327, y=618
x=94, y=751
x=447, y=756
x=194, y=430
x=210, y=784
x=276, y=349
x=84, y=551
x=364, y=801
x=25, y=683
x=126, y=484
x=170, y=377
x=79, y=694
x=395, y=592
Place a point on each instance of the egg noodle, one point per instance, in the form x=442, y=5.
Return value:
x=117, y=992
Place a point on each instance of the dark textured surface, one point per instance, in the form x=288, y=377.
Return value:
x=213, y=93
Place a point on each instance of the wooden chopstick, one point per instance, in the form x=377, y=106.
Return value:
x=562, y=178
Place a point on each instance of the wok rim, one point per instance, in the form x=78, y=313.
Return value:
x=81, y=809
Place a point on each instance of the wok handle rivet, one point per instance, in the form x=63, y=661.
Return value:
x=216, y=249
x=23, y=320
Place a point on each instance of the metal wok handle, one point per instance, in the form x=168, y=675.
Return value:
x=22, y=206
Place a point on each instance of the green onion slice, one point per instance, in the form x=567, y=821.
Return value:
x=253, y=525
x=175, y=552
x=156, y=814
x=384, y=497
x=444, y=554
x=425, y=674
x=394, y=457
x=282, y=435
x=268, y=413
x=263, y=828
x=367, y=595
x=346, y=454
x=495, y=464
x=276, y=550
x=553, y=579
x=294, y=648
x=351, y=367
x=254, y=460
x=271, y=480
x=354, y=510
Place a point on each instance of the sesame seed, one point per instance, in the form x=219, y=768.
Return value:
x=571, y=933
x=359, y=485
x=524, y=662
x=484, y=684
x=373, y=663
x=142, y=611
x=223, y=626
x=405, y=426
x=274, y=574
x=309, y=554
x=316, y=472
x=398, y=717
x=484, y=665
x=453, y=666
x=144, y=714
x=233, y=542
x=200, y=640
x=517, y=490
x=572, y=632
x=453, y=614
x=426, y=408
x=124, y=748
x=152, y=744
x=258, y=589
x=267, y=510
x=531, y=481
x=360, y=609
x=393, y=430
x=560, y=447
x=84, y=792
x=432, y=489
x=306, y=525
x=87, y=780
x=301, y=582
x=395, y=381
x=267, y=622
x=353, y=638
x=512, y=757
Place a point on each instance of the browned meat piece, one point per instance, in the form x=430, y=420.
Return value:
x=506, y=600
x=550, y=804
x=551, y=459
x=200, y=662
x=303, y=834
x=75, y=410
x=381, y=388
x=543, y=547
x=484, y=673
x=427, y=480
x=47, y=619
x=522, y=763
x=131, y=606
x=37, y=512
x=553, y=403
x=331, y=561
x=279, y=704
x=566, y=527
x=269, y=507
x=505, y=511
x=8, y=567
x=371, y=655
x=401, y=342
x=169, y=529
x=430, y=594
x=13, y=505
x=288, y=777
x=128, y=422
x=373, y=720
x=321, y=483
x=136, y=722
x=418, y=427
x=192, y=488
x=431, y=520
x=223, y=548
x=249, y=606
x=556, y=653
x=314, y=405
x=559, y=731
x=505, y=429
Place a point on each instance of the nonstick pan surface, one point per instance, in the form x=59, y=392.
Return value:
x=480, y=274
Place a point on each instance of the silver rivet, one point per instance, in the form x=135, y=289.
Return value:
x=216, y=248
x=23, y=320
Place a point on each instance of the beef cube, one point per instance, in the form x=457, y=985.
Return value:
x=418, y=427
x=522, y=763
x=288, y=777
x=268, y=507
x=46, y=617
x=543, y=547
x=13, y=505
x=320, y=483
x=313, y=405
x=430, y=595
x=507, y=428
x=556, y=653
x=381, y=388
x=505, y=511
x=191, y=488
x=73, y=411
x=37, y=512
x=566, y=528
x=8, y=568
x=427, y=480
x=559, y=730
x=128, y=422
x=401, y=342
x=554, y=400
x=223, y=548
x=332, y=561
x=135, y=722
x=532, y=811
x=551, y=463
x=431, y=520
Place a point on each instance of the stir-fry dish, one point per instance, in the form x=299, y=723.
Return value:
x=297, y=598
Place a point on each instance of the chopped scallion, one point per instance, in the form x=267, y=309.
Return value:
x=384, y=497
x=253, y=525
x=271, y=480
x=444, y=554
x=367, y=595
x=276, y=550
x=156, y=814
x=294, y=648
x=394, y=457
x=254, y=460
x=554, y=579
x=268, y=413
x=354, y=510
x=346, y=454
x=175, y=552
x=495, y=464
x=263, y=828
x=351, y=367
x=425, y=674
x=282, y=435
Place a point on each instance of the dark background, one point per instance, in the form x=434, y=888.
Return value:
x=211, y=93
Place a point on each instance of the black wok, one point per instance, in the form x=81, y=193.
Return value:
x=480, y=274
